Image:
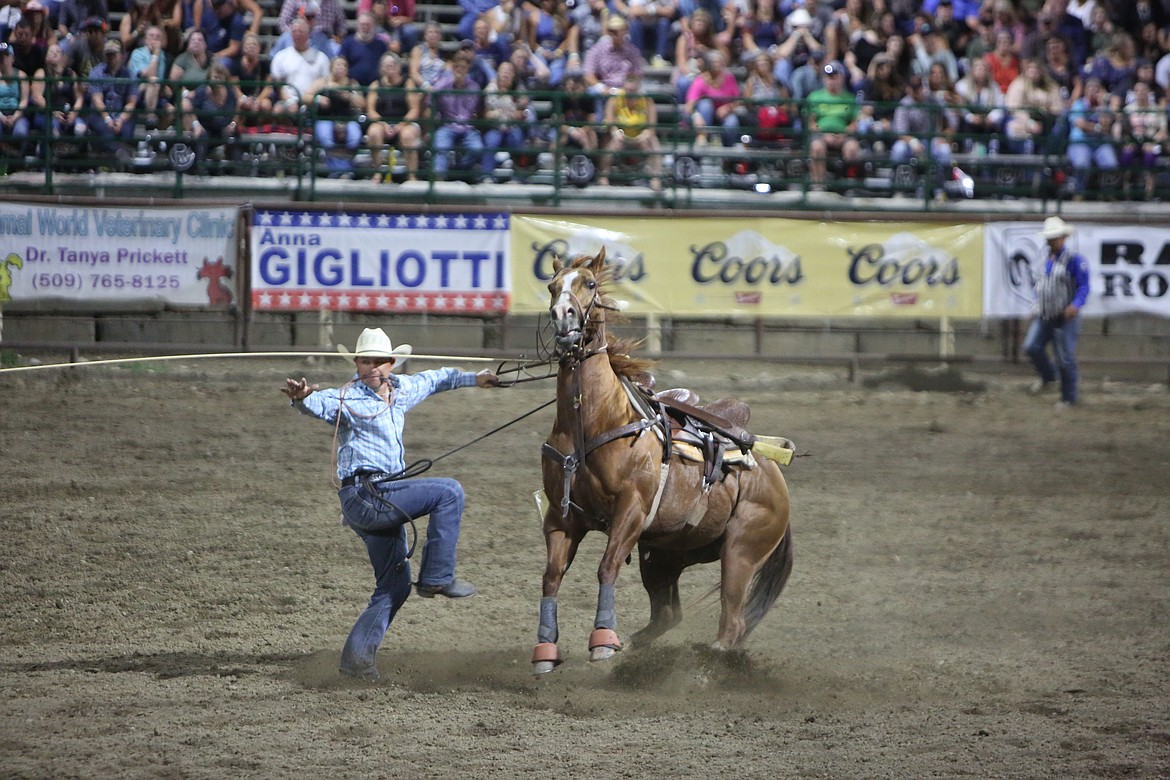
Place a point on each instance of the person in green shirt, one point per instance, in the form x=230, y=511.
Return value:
x=832, y=120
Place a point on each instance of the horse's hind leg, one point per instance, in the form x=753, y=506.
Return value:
x=660, y=572
x=737, y=573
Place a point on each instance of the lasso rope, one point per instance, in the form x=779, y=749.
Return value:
x=203, y=355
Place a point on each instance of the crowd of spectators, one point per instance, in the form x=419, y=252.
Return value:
x=900, y=80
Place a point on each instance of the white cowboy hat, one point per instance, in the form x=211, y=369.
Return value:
x=375, y=343
x=800, y=18
x=1055, y=227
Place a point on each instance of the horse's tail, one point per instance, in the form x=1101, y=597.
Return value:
x=768, y=582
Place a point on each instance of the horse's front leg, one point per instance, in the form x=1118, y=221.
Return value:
x=562, y=548
x=624, y=531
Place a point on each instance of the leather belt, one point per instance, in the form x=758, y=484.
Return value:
x=359, y=476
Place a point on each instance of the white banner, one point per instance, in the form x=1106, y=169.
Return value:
x=181, y=257
x=1129, y=268
x=443, y=263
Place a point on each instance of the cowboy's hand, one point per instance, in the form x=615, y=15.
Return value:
x=1071, y=311
x=298, y=389
x=486, y=378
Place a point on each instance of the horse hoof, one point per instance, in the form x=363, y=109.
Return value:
x=603, y=643
x=543, y=667
x=545, y=657
x=603, y=653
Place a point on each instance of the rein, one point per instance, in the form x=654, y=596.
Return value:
x=571, y=356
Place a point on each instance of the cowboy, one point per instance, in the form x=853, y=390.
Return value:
x=1061, y=292
x=377, y=500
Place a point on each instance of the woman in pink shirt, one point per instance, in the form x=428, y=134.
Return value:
x=713, y=100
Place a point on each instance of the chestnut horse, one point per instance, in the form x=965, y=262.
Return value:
x=604, y=470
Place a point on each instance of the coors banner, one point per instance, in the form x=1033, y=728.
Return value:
x=1129, y=268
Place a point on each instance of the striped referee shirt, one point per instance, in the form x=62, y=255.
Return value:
x=369, y=434
x=1065, y=281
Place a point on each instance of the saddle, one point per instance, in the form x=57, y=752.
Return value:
x=713, y=434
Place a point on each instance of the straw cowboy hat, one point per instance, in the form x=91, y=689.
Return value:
x=375, y=343
x=1055, y=227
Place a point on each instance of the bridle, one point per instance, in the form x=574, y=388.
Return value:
x=572, y=347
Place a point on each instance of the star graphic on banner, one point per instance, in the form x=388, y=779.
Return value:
x=446, y=223
x=265, y=299
x=364, y=221
x=401, y=302
x=264, y=217
x=343, y=301
x=500, y=223
x=498, y=302
x=324, y=301
x=401, y=221
x=480, y=222
x=285, y=299
x=420, y=302
x=283, y=219
x=461, y=222
x=441, y=301
x=306, y=300
x=383, y=221
x=478, y=303
x=363, y=302
x=381, y=302
x=459, y=302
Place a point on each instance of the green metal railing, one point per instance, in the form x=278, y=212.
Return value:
x=285, y=148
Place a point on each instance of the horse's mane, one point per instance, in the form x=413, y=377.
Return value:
x=619, y=349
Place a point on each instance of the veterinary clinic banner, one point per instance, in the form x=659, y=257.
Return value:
x=441, y=263
x=767, y=267
x=1129, y=268
x=179, y=257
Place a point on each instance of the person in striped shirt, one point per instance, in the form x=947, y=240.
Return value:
x=1061, y=291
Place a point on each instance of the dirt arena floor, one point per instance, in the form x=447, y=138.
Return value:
x=981, y=590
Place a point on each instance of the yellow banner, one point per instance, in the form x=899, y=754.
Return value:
x=762, y=266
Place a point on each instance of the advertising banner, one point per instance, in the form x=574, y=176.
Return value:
x=1129, y=268
x=408, y=263
x=178, y=257
x=762, y=266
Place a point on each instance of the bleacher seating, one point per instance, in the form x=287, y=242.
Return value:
x=753, y=165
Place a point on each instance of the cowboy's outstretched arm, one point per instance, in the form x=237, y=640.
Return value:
x=298, y=389
x=486, y=378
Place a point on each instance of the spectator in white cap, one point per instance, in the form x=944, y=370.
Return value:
x=330, y=16
x=379, y=494
x=799, y=48
x=1061, y=291
x=319, y=37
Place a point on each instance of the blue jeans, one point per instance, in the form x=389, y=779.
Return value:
x=661, y=25
x=496, y=139
x=327, y=138
x=1083, y=156
x=730, y=124
x=447, y=137
x=1063, y=335
x=383, y=530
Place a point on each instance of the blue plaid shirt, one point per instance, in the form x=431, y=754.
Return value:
x=369, y=436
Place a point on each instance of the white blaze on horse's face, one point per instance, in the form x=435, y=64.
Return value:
x=565, y=315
